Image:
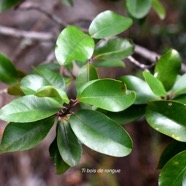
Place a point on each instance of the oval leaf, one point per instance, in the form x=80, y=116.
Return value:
x=86, y=73
x=167, y=68
x=73, y=44
x=138, y=8
x=8, y=72
x=107, y=24
x=29, y=108
x=168, y=117
x=180, y=86
x=174, y=170
x=56, y=158
x=68, y=144
x=24, y=136
x=155, y=85
x=158, y=7
x=170, y=151
x=141, y=88
x=31, y=83
x=100, y=133
x=115, y=48
x=107, y=94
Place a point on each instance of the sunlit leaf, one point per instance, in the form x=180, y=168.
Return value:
x=138, y=8
x=29, y=108
x=73, y=44
x=167, y=68
x=107, y=24
x=107, y=94
x=100, y=133
x=168, y=117
x=174, y=170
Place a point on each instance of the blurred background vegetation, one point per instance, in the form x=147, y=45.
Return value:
x=33, y=167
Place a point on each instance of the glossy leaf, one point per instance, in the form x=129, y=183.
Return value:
x=24, y=136
x=143, y=93
x=107, y=94
x=49, y=91
x=109, y=63
x=170, y=151
x=67, y=2
x=29, y=108
x=86, y=74
x=108, y=24
x=158, y=7
x=80, y=47
x=174, y=170
x=155, y=85
x=100, y=133
x=129, y=115
x=55, y=80
x=6, y=4
x=180, y=99
x=138, y=8
x=31, y=83
x=68, y=144
x=179, y=86
x=168, y=117
x=167, y=68
x=114, y=48
x=8, y=72
x=56, y=158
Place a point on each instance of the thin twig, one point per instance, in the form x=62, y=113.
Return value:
x=41, y=36
x=137, y=63
x=150, y=55
x=33, y=6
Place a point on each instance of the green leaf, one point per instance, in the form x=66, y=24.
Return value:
x=108, y=24
x=55, y=80
x=170, y=151
x=24, y=136
x=155, y=85
x=159, y=9
x=8, y=72
x=179, y=86
x=109, y=63
x=180, y=99
x=67, y=2
x=31, y=83
x=114, y=48
x=86, y=74
x=174, y=171
x=100, y=133
x=138, y=8
x=107, y=94
x=29, y=108
x=168, y=117
x=49, y=66
x=61, y=166
x=49, y=91
x=141, y=88
x=73, y=44
x=167, y=68
x=129, y=115
x=68, y=144
x=7, y=4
